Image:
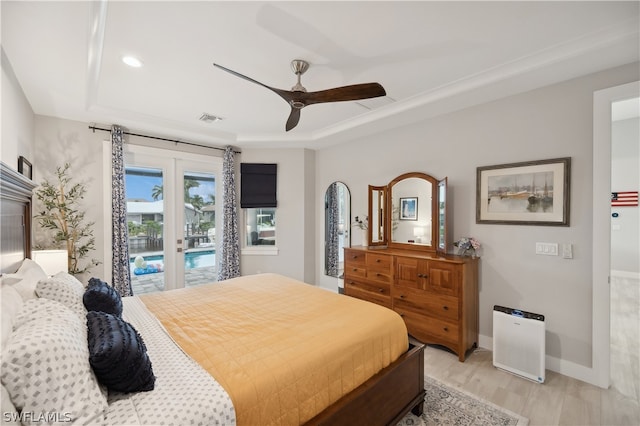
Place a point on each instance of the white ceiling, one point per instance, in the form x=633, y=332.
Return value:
x=431, y=57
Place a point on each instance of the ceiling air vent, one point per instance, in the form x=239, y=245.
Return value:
x=209, y=118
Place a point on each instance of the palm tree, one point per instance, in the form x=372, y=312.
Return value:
x=197, y=201
x=188, y=184
x=156, y=192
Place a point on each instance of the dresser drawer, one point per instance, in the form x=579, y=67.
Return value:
x=429, y=304
x=366, y=291
x=429, y=330
x=355, y=257
x=379, y=268
x=354, y=271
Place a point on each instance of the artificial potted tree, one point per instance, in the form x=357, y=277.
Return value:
x=62, y=215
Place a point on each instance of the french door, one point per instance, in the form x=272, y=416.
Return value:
x=171, y=215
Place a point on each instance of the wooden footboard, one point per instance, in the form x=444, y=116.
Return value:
x=385, y=398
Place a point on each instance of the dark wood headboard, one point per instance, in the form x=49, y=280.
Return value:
x=15, y=218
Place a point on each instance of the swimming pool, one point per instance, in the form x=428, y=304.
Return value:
x=192, y=260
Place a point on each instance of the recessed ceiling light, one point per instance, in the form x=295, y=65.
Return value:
x=132, y=61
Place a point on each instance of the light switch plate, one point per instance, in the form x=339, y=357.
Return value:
x=547, y=249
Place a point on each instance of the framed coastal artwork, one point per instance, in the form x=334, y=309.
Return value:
x=527, y=193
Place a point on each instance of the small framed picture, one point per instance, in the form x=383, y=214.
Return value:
x=409, y=208
x=25, y=167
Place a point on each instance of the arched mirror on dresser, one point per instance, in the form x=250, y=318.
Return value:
x=337, y=227
x=410, y=213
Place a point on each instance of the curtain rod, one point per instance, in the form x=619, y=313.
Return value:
x=94, y=128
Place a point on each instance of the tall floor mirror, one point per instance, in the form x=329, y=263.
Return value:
x=337, y=228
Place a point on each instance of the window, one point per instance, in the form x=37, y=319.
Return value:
x=261, y=226
x=258, y=185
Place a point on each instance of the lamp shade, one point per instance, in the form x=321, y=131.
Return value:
x=51, y=261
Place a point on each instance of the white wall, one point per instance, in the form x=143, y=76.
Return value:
x=625, y=176
x=555, y=121
x=17, y=119
x=57, y=142
x=295, y=214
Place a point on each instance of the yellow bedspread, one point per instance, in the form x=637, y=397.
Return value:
x=282, y=349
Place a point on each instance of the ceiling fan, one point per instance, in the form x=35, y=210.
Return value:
x=298, y=97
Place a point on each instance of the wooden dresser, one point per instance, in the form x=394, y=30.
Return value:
x=436, y=296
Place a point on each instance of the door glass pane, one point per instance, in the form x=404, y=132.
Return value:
x=145, y=211
x=199, y=228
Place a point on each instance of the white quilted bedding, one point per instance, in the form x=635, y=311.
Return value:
x=184, y=394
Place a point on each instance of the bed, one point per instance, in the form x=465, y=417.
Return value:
x=262, y=349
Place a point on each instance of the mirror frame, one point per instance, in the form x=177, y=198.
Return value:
x=431, y=248
x=382, y=201
x=440, y=219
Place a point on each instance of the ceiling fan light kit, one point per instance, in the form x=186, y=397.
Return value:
x=298, y=97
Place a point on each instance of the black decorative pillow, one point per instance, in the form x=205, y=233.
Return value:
x=117, y=354
x=100, y=296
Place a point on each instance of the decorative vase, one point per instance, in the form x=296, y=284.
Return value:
x=470, y=252
x=365, y=238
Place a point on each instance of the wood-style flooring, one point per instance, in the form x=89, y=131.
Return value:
x=561, y=400
x=625, y=335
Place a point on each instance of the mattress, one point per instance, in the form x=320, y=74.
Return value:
x=283, y=350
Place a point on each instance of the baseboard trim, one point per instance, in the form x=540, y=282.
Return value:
x=626, y=274
x=560, y=366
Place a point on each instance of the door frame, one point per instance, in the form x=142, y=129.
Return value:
x=601, y=249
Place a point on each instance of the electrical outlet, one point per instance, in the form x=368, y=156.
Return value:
x=547, y=249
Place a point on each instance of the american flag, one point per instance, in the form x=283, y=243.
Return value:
x=628, y=198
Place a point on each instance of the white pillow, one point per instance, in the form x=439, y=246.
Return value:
x=46, y=366
x=26, y=278
x=72, y=281
x=62, y=289
x=11, y=305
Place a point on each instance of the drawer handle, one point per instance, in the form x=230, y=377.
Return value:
x=378, y=274
x=378, y=261
x=446, y=329
x=446, y=308
x=381, y=290
x=402, y=296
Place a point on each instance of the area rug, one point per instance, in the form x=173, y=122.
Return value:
x=444, y=405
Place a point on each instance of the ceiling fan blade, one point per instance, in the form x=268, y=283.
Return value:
x=294, y=118
x=346, y=93
x=283, y=93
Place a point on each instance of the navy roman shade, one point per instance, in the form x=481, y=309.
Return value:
x=258, y=185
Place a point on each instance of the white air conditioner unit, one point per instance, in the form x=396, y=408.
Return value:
x=519, y=342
